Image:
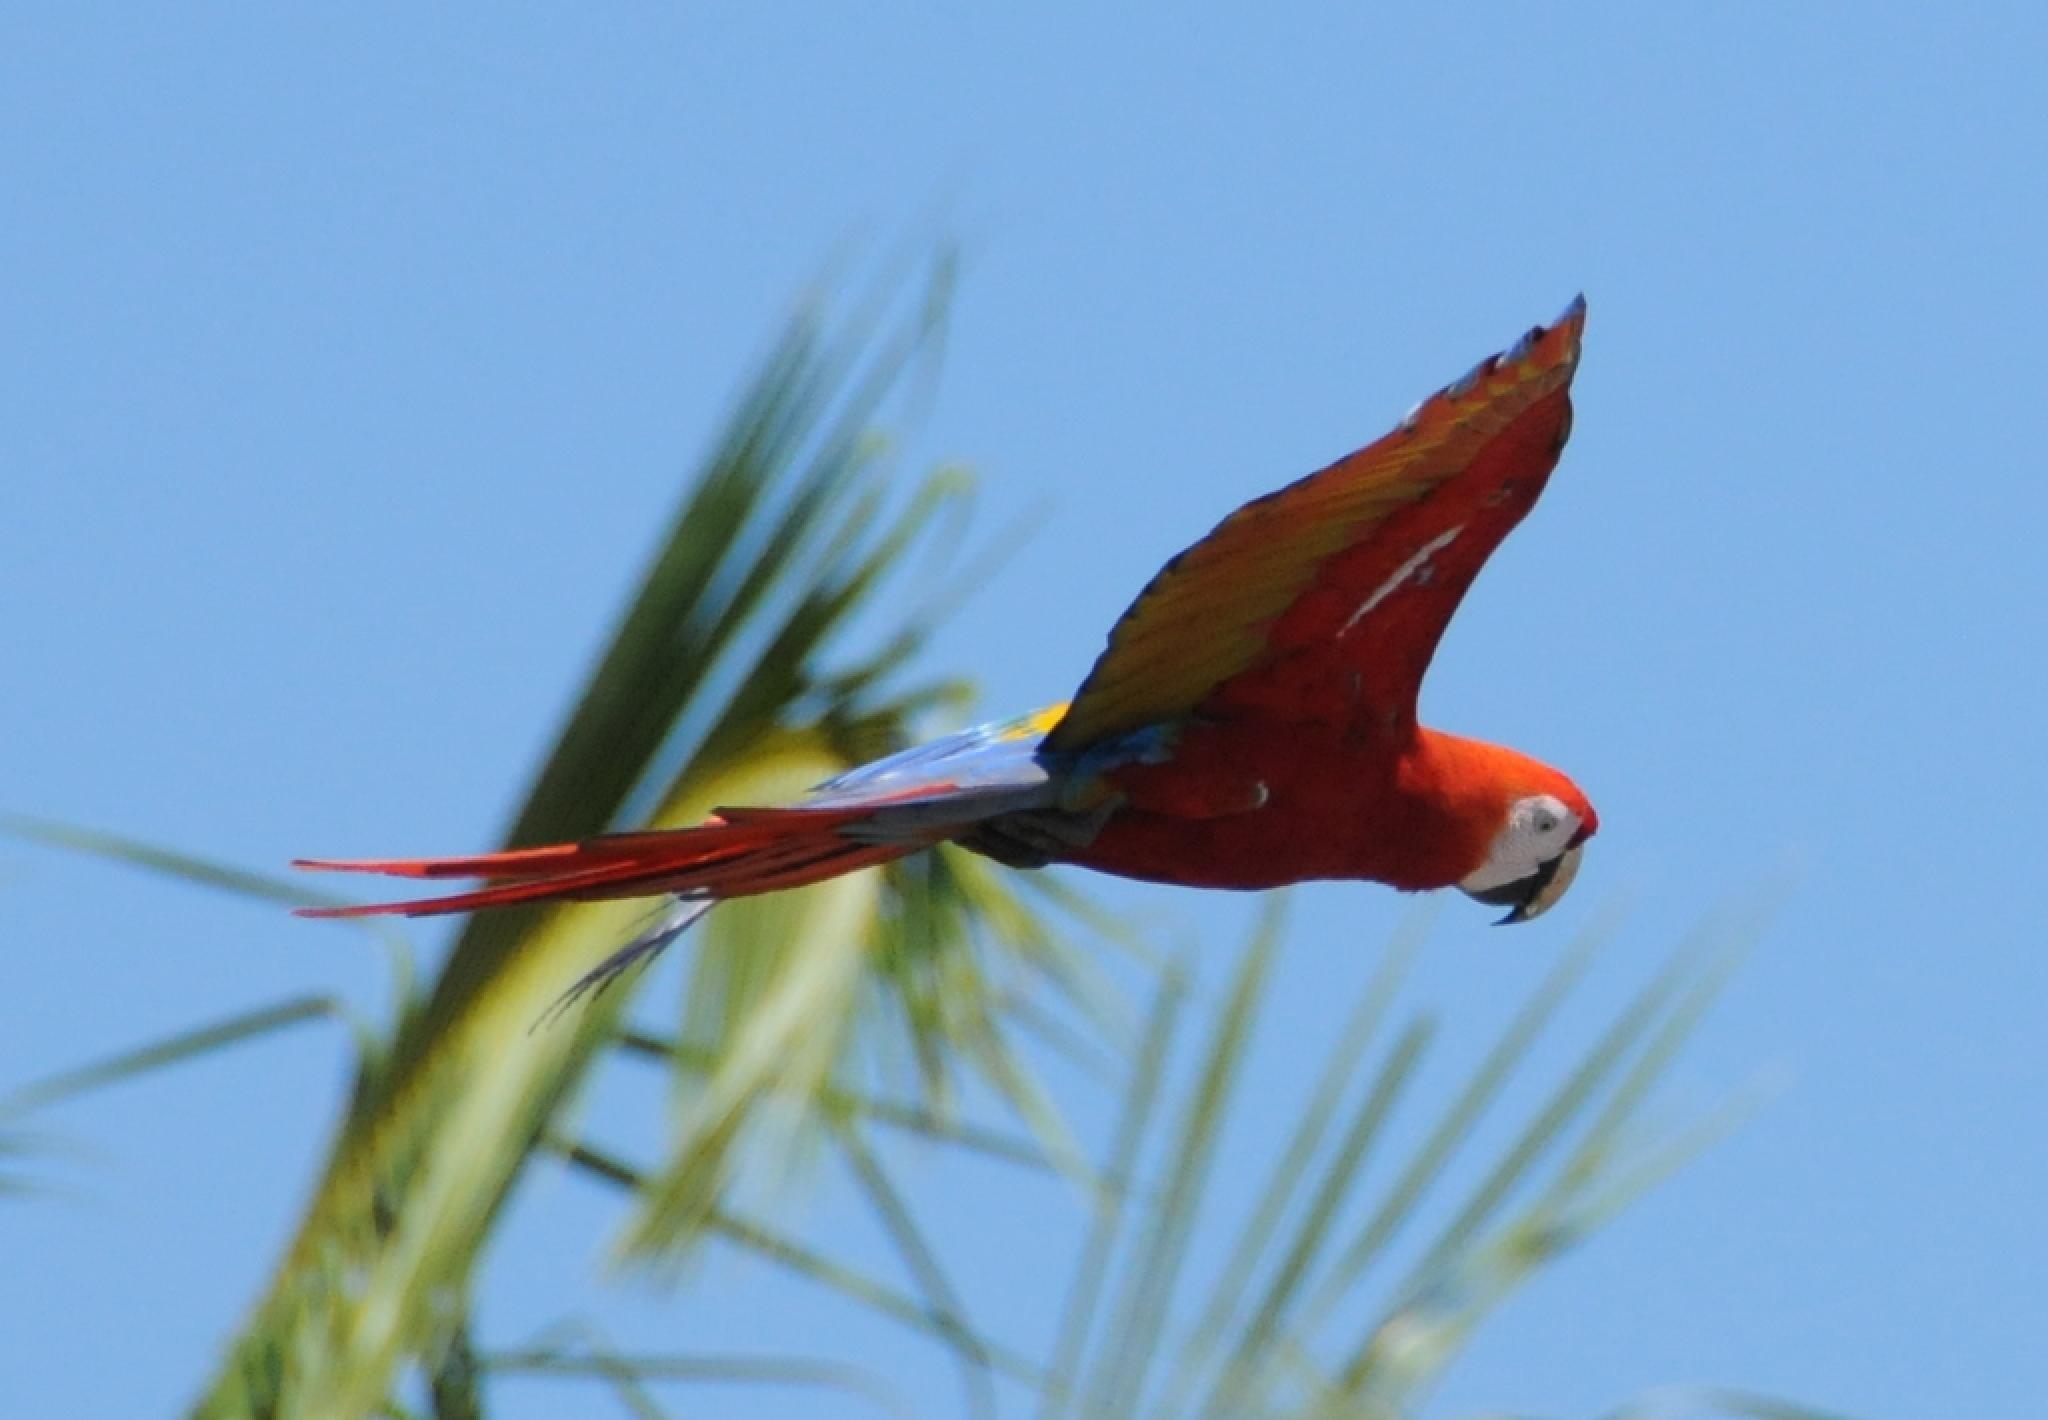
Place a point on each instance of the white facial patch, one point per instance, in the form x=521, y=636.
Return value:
x=1539, y=828
x=1414, y=567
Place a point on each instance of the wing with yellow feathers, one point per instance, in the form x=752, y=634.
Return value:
x=1325, y=600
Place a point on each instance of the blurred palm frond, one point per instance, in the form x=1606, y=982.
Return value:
x=829, y=1023
x=1316, y=1250
x=732, y=677
x=629, y=1376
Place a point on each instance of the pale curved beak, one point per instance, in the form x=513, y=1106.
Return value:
x=1529, y=898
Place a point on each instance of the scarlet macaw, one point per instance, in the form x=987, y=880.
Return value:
x=1251, y=723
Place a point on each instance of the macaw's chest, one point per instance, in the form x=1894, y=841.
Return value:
x=1261, y=805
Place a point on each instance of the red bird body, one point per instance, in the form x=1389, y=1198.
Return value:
x=1414, y=817
x=1250, y=724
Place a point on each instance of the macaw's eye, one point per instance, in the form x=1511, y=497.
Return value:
x=1541, y=816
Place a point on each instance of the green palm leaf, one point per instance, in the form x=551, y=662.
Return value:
x=719, y=686
x=828, y=1019
x=1260, y=1347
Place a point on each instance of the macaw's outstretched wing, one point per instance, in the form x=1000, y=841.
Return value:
x=881, y=811
x=1325, y=600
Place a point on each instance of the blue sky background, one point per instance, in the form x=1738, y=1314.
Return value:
x=351, y=360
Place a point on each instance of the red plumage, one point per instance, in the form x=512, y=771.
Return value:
x=717, y=859
x=1250, y=724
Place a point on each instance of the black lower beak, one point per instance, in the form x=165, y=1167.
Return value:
x=1529, y=898
x=1531, y=889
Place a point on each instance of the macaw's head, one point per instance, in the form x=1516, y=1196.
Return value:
x=1543, y=822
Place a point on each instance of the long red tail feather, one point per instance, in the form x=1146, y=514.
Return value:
x=717, y=859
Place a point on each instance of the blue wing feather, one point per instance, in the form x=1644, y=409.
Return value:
x=1000, y=755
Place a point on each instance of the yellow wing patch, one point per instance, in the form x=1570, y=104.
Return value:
x=1026, y=727
x=1205, y=617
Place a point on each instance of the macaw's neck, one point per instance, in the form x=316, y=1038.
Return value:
x=1255, y=806
x=1457, y=793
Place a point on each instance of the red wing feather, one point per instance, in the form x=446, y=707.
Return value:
x=1326, y=599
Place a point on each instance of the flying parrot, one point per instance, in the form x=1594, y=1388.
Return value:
x=1251, y=722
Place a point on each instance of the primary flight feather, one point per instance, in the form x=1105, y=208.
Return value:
x=1251, y=722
